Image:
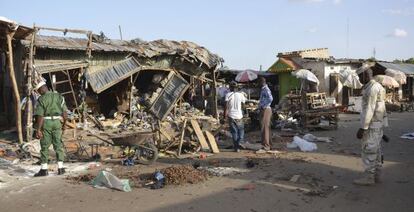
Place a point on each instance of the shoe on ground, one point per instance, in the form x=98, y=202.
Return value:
x=367, y=180
x=61, y=171
x=42, y=173
x=236, y=150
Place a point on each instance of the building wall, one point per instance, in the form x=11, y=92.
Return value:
x=287, y=83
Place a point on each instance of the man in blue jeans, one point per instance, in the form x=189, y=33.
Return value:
x=234, y=113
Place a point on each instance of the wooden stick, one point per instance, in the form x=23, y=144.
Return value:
x=10, y=35
x=182, y=137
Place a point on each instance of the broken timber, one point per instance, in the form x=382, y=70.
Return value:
x=200, y=136
x=212, y=142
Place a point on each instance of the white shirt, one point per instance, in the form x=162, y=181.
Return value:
x=234, y=102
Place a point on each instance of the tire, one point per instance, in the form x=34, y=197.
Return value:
x=146, y=156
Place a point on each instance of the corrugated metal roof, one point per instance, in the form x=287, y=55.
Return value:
x=404, y=67
x=50, y=66
x=68, y=43
x=107, y=77
x=188, y=50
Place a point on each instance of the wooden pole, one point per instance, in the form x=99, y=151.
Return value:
x=182, y=137
x=10, y=35
x=29, y=109
x=214, y=93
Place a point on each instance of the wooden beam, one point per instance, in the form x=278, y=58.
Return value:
x=214, y=93
x=182, y=137
x=212, y=142
x=200, y=136
x=10, y=35
x=79, y=31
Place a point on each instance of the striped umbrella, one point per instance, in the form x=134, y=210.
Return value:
x=246, y=76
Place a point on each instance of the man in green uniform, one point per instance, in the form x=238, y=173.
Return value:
x=50, y=116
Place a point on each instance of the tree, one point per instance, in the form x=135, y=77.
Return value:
x=410, y=60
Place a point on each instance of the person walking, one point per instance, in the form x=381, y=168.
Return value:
x=50, y=114
x=233, y=110
x=373, y=120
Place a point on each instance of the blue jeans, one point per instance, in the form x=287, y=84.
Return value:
x=237, y=131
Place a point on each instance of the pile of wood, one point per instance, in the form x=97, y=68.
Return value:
x=185, y=135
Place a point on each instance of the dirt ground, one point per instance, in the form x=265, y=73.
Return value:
x=325, y=182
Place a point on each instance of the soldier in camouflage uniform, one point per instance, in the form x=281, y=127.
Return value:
x=50, y=116
x=373, y=120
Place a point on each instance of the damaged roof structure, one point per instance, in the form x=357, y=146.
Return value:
x=103, y=66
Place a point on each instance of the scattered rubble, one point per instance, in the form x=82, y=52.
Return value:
x=185, y=174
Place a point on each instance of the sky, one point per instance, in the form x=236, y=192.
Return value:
x=245, y=33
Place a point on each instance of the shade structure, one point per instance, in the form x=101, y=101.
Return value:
x=399, y=76
x=350, y=79
x=246, y=76
x=387, y=81
x=306, y=75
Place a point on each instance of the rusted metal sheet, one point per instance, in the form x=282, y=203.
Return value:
x=169, y=96
x=46, y=67
x=188, y=51
x=107, y=77
x=69, y=43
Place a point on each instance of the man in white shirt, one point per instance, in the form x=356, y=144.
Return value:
x=234, y=113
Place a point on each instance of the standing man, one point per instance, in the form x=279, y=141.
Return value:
x=51, y=117
x=233, y=111
x=373, y=119
x=265, y=101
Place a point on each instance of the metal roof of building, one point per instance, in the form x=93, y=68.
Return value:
x=107, y=77
x=404, y=67
x=188, y=50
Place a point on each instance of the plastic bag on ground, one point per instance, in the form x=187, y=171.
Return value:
x=107, y=179
x=304, y=146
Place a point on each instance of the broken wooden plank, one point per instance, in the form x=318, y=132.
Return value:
x=212, y=142
x=182, y=137
x=199, y=134
x=165, y=134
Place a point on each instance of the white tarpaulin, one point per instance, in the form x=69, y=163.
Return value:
x=306, y=75
x=399, y=76
x=350, y=79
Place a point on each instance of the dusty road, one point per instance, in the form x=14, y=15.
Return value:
x=325, y=182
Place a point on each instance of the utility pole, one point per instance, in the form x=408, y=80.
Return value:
x=120, y=31
x=374, y=52
x=347, y=37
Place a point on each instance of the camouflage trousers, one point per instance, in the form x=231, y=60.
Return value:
x=371, y=150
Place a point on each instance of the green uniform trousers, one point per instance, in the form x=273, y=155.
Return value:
x=52, y=135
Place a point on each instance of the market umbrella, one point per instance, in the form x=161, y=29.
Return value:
x=350, y=79
x=387, y=81
x=399, y=76
x=246, y=76
x=306, y=75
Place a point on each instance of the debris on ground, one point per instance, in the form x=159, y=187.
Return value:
x=304, y=145
x=294, y=178
x=83, y=178
x=311, y=138
x=184, y=174
x=409, y=136
x=107, y=180
x=223, y=171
